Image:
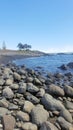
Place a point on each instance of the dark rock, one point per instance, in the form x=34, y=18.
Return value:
x=32, y=98
x=51, y=103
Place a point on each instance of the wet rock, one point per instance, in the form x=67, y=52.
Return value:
x=8, y=93
x=55, y=90
x=65, y=125
x=29, y=126
x=39, y=115
x=51, y=103
x=22, y=116
x=48, y=126
x=66, y=115
x=32, y=88
x=68, y=90
x=8, y=122
x=70, y=65
x=28, y=106
x=63, y=67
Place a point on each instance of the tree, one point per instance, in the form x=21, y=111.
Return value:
x=27, y=47
x=23, y=46
x=20, y=46
x=4, y=45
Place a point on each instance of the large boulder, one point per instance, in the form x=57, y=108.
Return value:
x=51, y=103
x=68, y=90
x=39, y=115
x=65, y=114
x=48, y=126
x=8, y=122
x=55, y=90
x=8, y=93
x=65, y=125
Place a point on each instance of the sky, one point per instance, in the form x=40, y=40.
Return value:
x=46, y=25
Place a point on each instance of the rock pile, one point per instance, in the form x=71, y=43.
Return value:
x=29, y=101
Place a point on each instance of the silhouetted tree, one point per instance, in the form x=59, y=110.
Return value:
x=27, y=47
x=20, y=46
x=23, y=46
x=4, y=45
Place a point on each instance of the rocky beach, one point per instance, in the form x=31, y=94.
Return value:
x=30, y=101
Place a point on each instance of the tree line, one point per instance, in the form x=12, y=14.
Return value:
x=20, y=46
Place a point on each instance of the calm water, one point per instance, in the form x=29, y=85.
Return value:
x=47, y=63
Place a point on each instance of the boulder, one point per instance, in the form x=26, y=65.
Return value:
x=3, y=111
x=28, y=106
x=51, y=103
x=65, y=125
x=32, y=88
x=8, y=93
x=16, y=76
x=68, y=90
x=14, y=86
x=55, y=90
x=37, y=81
x=39, y=115
x=32, y=98
x=4, y=103
x=68, y=104
x=22, y=116
x=48, y=126
x=40, y=93
x=29, y=126
x=22, y=88
x=9, y=82
x=8, y=122
x=66, y=115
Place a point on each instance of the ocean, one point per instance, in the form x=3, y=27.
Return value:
x=45, y=64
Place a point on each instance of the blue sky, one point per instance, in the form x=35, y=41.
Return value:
x=45, y=24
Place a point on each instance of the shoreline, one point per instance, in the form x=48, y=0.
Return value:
x=25, y=97
x=7, y=56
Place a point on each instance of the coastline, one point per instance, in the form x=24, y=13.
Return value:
x=7, y=56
